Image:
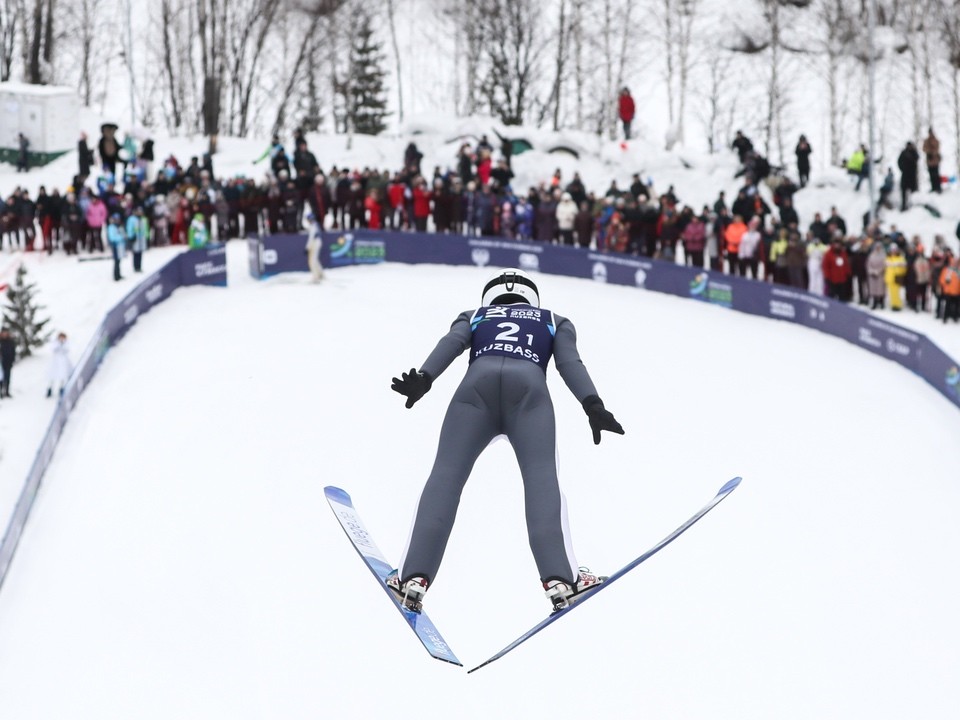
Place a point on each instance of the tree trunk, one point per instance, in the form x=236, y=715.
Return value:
x=396, y=54
x=282, y=100
x=668, y=52
x=578, y=71
x=34, y=72
x=166, y=20
x=560, y=66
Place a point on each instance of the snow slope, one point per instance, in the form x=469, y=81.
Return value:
x=182, y=561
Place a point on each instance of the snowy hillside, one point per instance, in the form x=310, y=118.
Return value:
x=182, y=561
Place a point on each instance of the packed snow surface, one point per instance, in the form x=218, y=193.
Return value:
x=181, y=560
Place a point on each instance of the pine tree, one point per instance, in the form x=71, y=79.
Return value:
x=366, y=93
x=20, y=315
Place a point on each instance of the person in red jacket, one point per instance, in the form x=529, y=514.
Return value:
x=374, y=211
x=396, y=215
x=421, y=204
x=627, y=111
x=837, y=270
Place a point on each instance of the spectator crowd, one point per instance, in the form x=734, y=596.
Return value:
x=127, y=204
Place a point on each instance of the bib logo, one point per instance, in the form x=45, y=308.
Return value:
x=480, y=257
x=600, y=272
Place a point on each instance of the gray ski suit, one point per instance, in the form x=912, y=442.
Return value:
x=503, y=394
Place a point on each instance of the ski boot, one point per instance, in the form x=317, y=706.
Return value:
x=409, y=594
x=561, y=594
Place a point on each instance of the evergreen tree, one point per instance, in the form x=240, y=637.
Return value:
x=20, y=314
x=367, y=104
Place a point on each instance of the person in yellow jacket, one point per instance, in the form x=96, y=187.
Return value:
x=894, y=276
x=859, y=165
x=778, y=258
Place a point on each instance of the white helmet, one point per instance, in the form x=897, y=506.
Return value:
x=510, y=286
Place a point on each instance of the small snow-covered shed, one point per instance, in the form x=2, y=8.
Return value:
x=47, y=115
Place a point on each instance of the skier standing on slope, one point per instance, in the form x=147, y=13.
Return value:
x=504, y=392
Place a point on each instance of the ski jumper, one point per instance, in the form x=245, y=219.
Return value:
x=504, y=392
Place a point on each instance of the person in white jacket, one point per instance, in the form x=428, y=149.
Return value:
x=60, y=365
x=314, y=243
x=566, y=215
x=747, y=252
x=816, y=249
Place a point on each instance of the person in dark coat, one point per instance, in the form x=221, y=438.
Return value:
x=909, y=182
x=742, y=144
x=306, y=167
x=583, y=225
x=23, y=153
x=109, y=148
x=8, y=353
x=803, y=152
x=72, y=217
x=931, y=148
x=84, y=158
x=577, y=190
x=545, y=220
x=411, y=158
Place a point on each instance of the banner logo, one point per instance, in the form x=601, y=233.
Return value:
x=640, y=277
x=600, y=272
x=529, y=261
x=703, y=288
x=480, y=257
x=953, y=380
x=154, y=293
x=341, y=246
x=698, y=286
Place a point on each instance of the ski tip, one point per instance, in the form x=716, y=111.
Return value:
x=730, y=486
x=335, y=493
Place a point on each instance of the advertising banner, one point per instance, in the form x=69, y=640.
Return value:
x=205, y=267
x=284, y=253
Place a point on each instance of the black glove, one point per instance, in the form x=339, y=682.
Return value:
x=600, y=418
x=412, y=384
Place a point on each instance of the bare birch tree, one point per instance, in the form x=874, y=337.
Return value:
x=836, y=17
x=317, y=13
x=677, y=19
x=212, y=33
x=391, y=18
x=38, y=39
x=171, y=60
x=717, y=97
x=511, y=56
x=250, y=23
x=616, y=51
x=10, y=18
x=577, y=32
x=949, y=23
x=914, y=22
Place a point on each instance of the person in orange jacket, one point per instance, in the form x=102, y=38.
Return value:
x=732, y=235
x=950, y=288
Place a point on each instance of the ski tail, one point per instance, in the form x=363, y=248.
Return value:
x=728, y=488
x=342, y=506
